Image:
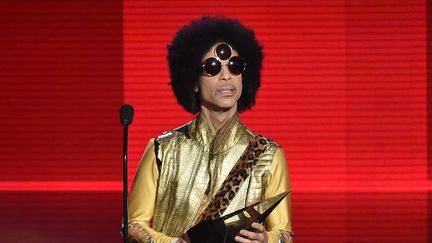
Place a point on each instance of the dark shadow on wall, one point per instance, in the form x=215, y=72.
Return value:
x=55, y=217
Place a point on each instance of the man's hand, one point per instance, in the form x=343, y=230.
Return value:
x=259, y=235
x=180, y=240
x=183, y=239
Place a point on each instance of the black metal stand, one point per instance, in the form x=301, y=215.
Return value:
x=125, y=184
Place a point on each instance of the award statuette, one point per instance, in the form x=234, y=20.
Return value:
x=225, y=228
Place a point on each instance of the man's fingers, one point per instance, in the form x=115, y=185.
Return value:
x=250, y=236
x=258, y=234
x=258, y=227
x=245, y=240
x=241, y=239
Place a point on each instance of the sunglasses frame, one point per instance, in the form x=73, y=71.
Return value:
x=220, y=63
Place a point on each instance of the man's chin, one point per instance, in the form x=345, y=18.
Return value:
x=223, y=108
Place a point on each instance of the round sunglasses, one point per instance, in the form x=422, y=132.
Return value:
x=212, y=66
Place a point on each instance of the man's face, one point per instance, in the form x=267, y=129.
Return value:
x=221, y=91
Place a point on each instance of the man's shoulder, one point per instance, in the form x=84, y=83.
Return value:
x=172, y=133
x=251, y=134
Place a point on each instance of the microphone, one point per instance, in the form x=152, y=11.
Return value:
x=126, y=114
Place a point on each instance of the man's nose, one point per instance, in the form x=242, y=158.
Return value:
x=225, y=73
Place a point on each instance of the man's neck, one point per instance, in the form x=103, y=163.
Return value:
x=218, y=118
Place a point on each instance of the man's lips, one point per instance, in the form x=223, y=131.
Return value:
x=226, y=89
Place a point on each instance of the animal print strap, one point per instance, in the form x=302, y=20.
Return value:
x=238, y=174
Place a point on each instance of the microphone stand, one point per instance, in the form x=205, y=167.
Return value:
x=126, y=116
x=125, y=183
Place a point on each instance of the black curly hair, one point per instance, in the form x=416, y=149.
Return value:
x=193, y=40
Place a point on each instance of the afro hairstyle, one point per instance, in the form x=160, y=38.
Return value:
x=193, y=40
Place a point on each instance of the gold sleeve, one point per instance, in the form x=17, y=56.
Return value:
x=279, y=221
x=142, y=200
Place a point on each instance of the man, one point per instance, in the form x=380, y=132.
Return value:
x=215, y=66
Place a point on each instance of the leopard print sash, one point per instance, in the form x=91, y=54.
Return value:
x=235, y=179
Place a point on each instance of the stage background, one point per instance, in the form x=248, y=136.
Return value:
x=345, y=91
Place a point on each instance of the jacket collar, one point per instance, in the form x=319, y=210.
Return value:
x=217, y=142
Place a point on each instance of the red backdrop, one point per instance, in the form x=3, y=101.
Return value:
x=345, y=92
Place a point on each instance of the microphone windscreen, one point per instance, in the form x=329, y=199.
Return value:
x=126, y=114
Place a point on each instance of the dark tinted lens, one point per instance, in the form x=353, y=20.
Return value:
x=212, y=66
x=236, y=65
x=223, y=51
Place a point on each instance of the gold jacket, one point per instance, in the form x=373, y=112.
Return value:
x=182, y=169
